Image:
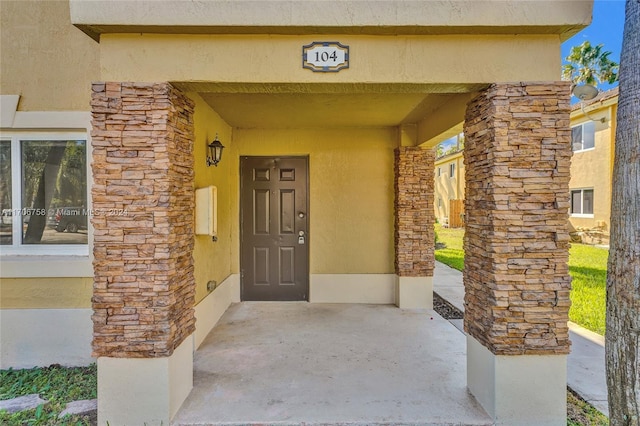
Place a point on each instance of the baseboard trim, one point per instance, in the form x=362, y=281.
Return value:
x=214, y=305
x=352, y=288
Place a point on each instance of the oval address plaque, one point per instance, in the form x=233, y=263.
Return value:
x=325, y=56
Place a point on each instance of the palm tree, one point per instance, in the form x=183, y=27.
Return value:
x=623, y=278
x=589, y=64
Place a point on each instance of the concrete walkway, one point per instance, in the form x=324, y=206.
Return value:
x=300, y=363
x=586, y=365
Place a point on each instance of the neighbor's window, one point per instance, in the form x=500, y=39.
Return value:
x=582, y=202
x=452, y=169
x=6, y=233
x=583, y=136
x=43, y=193
x=439, y=171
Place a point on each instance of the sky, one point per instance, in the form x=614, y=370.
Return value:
x=606, y=28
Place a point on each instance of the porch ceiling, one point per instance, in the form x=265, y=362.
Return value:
x=300, y=110
x=314, y=110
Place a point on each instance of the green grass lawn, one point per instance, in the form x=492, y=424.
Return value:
x=449, y=246
x=587, y=266
x=581, y=413
x=58, y=385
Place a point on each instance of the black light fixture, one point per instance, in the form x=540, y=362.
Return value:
x=215, y=152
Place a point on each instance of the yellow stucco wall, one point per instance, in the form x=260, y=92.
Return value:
x=212, y=260
x=447, y=187
x=45, y=293
x=44, y=58
x=593, y=168
x=350, y=190
x=453, y=60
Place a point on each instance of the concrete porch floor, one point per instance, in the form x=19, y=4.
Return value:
x=301, y=363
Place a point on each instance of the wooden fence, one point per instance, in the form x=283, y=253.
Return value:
x=456, y=213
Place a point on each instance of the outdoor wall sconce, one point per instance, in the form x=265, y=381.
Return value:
x=215, y=152
x=586, y=92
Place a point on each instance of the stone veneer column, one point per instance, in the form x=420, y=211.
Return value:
x=144, y=290
x=517, y=156
x=414, y=237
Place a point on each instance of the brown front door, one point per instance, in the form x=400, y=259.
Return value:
x=274, y=258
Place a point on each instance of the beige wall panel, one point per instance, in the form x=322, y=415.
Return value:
x=211, y=308
x=141, y=391
x=592, y=169
x=351, y=193
x=41, y=337
x=455, y=59
x=212, y=260
x=45, y=293
x=44, y=58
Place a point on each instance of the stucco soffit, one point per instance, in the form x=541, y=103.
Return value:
x=563, y=17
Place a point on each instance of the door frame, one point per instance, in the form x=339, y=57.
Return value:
x=308, y=223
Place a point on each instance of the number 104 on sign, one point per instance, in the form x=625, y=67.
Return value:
x=325, y=56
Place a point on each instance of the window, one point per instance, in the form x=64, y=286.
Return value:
x=583, y=136
x=43, y=194
x=439, y=171
x=582, y=202
x=452, y=170
x=6, y=235
x=439, y=202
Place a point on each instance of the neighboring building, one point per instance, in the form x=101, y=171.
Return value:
x=593, y=128
x=328, y=112
x=593, y=143
x=449, y=185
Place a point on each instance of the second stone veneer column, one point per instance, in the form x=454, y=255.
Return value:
x=414, y=234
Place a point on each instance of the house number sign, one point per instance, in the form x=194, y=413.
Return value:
x=325, y=56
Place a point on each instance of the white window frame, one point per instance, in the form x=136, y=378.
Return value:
x=46, y=266
x=594, y=137
x=583, y=215
x=17, y=247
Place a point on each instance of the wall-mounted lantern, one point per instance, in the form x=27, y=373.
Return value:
x=586, y=92
x=215, y=152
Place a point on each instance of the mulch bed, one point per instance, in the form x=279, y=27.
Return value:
x=445, y=309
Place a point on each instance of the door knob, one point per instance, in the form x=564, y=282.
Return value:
x=301, y=215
